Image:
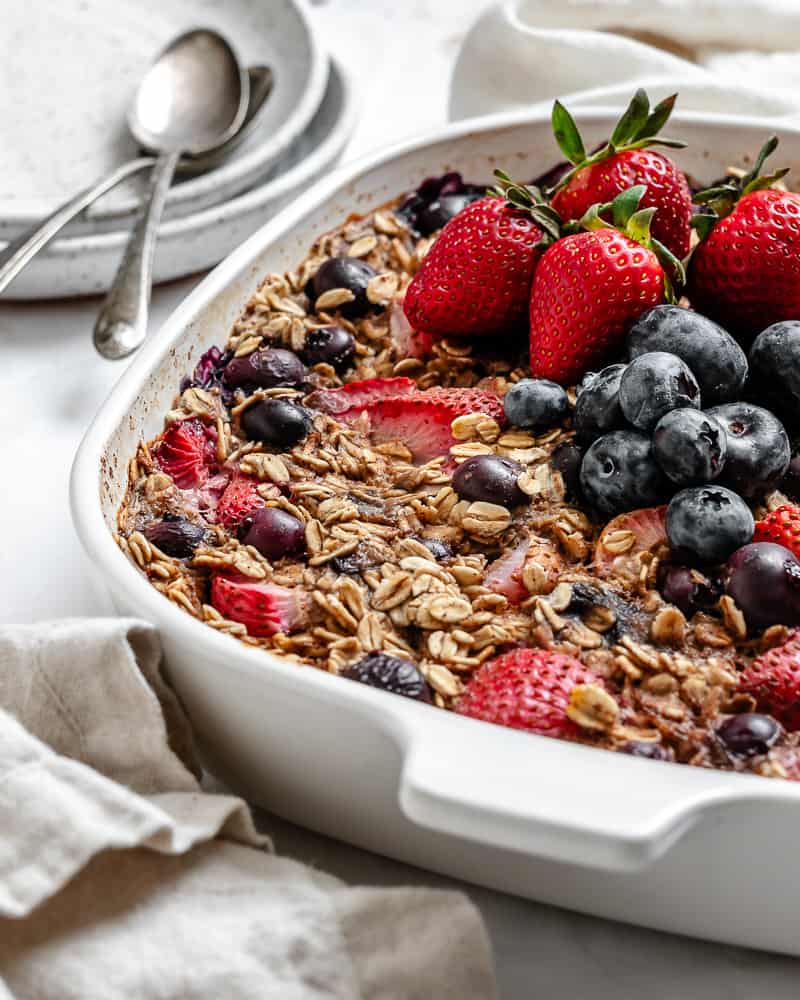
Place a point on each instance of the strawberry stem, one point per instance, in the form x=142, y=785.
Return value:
x=527, y=198
x=722, y=198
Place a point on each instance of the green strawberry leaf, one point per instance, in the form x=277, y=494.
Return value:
x=638, y=227
x=674, y=267
x=658, y=117
x=626, y=204
x=657, y=140
x=766, y=150
x=703, y=224
x=765, y=181
x=632, y=121
x=547, y=219
x=567, y=135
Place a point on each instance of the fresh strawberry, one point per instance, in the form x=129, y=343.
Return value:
x=622, y=163
x=239, y=499
x=353, y=397
x=263, y=608
x=526, y=689
x=476, y=278
x=781, y=526
x=773, y=679
x=186, y=453
x=407, y=342
x=589, y=288
x=421, y=421
x=644, y=529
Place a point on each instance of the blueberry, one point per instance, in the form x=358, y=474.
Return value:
x=265, y=369
x=764, y=581
x=687, y=590
x=566, y=459
x=274, y=532
x=647, y=749
x=619, y=473
x=652, y=385
x=175, y=536
x=758, y=452
x=277, y=422
x=716, y=360
x=690, y=447
x=749, y=734
x=329, y=345
x=490, y=478
x=389, y=673
x=343, y=272
x=597, y=409
x=775, y=366
x=438, y=548
x=708, y=523
x=438, y=213
x=533, y=403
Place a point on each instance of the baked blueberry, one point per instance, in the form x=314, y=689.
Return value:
x=708, y=523
x=647, y=749
x=652, y=385
x=758, y=452
x=389, y=673
x=439, y=212
x=749, y=734
x=620, y=473
x=567, y=459
x=716, y=360
x=688, y=590
x=265, y=369
x=690, y=446
x=274, y=532
x=175, y=536
x=597, y=409
x=490, y=478
x=764, y=581
x=534, y=403
x=277, y=422
x=329, y=345
x=349, y=273
x=775, y=367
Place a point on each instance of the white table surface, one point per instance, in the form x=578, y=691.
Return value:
x=51, y=384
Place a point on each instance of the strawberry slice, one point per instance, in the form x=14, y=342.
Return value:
x=422, y=421
x=239, y=499
x=186, y=452
x=504, y=576
x=263, y=608
x=353, y=397
x=408, y=342
x=616, y=552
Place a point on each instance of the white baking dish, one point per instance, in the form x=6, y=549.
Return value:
x=698, y=852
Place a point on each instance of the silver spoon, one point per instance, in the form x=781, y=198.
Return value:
x=192, y=99
x=21, y=251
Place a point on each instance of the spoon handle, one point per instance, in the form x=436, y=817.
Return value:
x=121, y=326
x=19, y=252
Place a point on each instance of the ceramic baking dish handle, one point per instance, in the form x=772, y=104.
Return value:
x=556, y=800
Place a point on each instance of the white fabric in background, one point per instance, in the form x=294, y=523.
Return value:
x=723, y=56
x=121, y=880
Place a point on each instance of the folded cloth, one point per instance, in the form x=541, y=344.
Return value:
x=723, y=56
x=120, y=878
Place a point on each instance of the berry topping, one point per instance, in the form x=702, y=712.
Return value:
x=526, y=689
x=597, y=409
x=185, y=453
x=389, y=673
x=276, y=422
x=263, y=608
x=781, y=526
x=535, y=403
x=775, y=366
x=646, y=748
x=626, y=537
x=504, y=575
x=351, y=399
x=708, y=523
x=773, y=680
x=241, y=498
x=690, y=447
x=490, y=478
x=749, y=734
x=620, y=473
x=688, y=590
x=653, y=385
x=329, y=345
x=758, y=449
x=566, y=459
x=764, y=581
x=407, y=342
x=175, y=536
x=274, y=532
x=438, y=213
x=265, y=370
x=349, y=273
x=715, y=359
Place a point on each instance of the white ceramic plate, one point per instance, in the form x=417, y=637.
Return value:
x=85, y=265
x=69, y=70
x=684, y=849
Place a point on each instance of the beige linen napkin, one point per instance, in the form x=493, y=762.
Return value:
x=120, y=878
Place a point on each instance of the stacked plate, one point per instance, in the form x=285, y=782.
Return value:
x=62, y=125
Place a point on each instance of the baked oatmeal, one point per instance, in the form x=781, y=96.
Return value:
x=474, y=451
